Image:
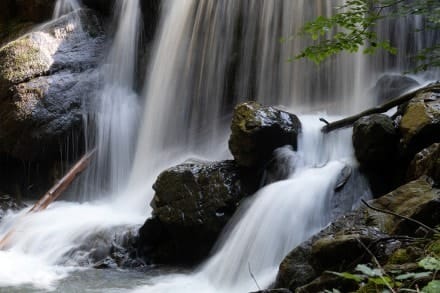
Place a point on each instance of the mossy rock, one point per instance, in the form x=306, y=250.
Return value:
x=258, y=130
x=415, y=199
x=21, y=60
x=420, y=123
x=191, y=205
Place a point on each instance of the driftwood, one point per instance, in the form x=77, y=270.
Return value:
x=54, y=192
x=378, y=109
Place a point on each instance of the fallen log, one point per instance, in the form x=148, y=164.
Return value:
x=330, y=126
x=54, y=193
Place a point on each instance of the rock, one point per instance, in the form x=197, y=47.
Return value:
x=417, y=200
x=106, y=248
x=390, y=86
x=426, y=162
x=45, y=77
x=420, y=123
x=376, y=145
x=258, y=130
x=192, y=203
x=9, y=203
x=375, y=141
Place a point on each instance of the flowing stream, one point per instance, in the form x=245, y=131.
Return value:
x=207, y=56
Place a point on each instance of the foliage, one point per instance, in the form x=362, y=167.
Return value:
x=353, y=28
x=396, y=279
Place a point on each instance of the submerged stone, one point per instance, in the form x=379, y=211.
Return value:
x=390, y=86
x=258, y=130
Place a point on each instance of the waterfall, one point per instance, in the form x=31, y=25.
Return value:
x=65, y=6
x=113, y=128
x=208, y=55
x=276, y=219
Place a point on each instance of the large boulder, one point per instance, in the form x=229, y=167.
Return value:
x=426, y=162
x=390, y=86
x=258, y=130
x=45, y=77
x=192, y=204
x=376, y=146
x=420, y=123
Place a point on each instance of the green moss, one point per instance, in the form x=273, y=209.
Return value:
x=434, y=248
x=20, y=59
x=400, y=256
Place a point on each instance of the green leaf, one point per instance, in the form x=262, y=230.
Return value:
x=430, y=263
x=345, y=275
x=366, y=270
x=432, y=287
x=381, y=280
x=413, y=276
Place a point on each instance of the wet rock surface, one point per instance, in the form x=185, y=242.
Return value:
x=258, y=130
x=192, y=204
x=7, y=202
x=375, y=140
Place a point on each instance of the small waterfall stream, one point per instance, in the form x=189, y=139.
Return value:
x=207, y=56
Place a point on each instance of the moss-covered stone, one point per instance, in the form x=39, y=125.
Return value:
x=258, y=130
x=420, y=124
x=414, y=200
x=45, y=76
x=192, y=204
x=21, y=60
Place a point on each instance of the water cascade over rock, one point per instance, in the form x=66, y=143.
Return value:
x=206, y=57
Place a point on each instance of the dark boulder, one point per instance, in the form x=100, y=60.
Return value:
x=258, y=130
x=192, y=204
x=375, y=140
x=390, y=86
x=376, y=146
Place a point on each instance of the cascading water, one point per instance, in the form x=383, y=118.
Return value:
x=273, y=221
x=208, y=55
x=65, y=6
x=44, y=247
x=116, y=109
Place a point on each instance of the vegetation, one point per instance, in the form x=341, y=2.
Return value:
x=354, y=28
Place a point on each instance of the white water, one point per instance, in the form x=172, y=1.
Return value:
x=65, y=6
x=208, y=55
x=117, y=107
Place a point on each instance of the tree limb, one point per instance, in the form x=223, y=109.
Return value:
x=379, y=109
